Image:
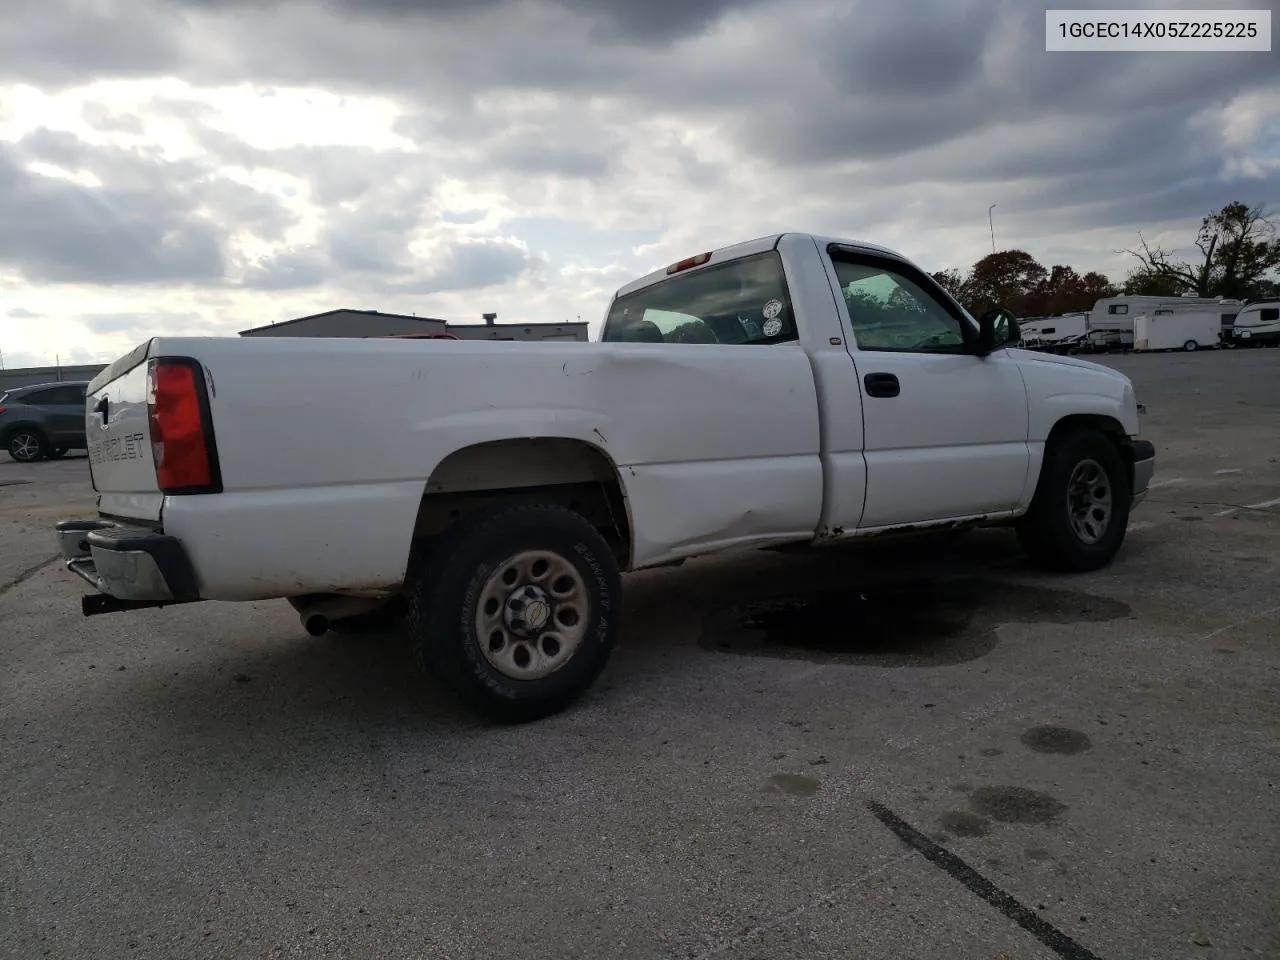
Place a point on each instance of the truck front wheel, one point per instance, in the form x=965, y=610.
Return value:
x=1077, y=519
x=516, y=609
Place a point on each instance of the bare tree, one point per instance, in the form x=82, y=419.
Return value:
x=1238, y=248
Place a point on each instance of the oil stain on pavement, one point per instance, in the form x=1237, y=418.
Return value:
x=794, y=784
x=1015, y=805
x=961, y=824
x=935, y=622
x=1055, y=740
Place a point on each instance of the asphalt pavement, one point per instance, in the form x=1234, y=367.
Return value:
x=926, y=752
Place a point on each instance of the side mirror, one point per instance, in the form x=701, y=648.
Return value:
x=997, y=328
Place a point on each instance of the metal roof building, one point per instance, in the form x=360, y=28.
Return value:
x=373, y=323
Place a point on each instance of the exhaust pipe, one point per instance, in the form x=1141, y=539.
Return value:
x=317, y=612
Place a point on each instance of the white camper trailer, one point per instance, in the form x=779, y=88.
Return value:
x=1257, y=325
x=1177, y=330
x=1053, y=333
x=1111, y=319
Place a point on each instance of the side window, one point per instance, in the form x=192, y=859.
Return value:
x=1269, y=315
x=1118, y=308
x=890, y=311
x=69, y=396
x=744, y=301
x=1164, y=313
x=39, y=397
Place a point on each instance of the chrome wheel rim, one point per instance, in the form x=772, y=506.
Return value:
x=532, y=614
x=24, y=446
x=1089, y=501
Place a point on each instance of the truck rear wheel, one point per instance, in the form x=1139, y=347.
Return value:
x=516, y=610
x=1080, y=510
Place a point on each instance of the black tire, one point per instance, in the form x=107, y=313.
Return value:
x=379, y=620
x=26, y=445
x=467, y=564
x=57, y=453
x=1190, y=346
x=1047, y=532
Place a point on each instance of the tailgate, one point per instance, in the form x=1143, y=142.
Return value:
x=121, y=463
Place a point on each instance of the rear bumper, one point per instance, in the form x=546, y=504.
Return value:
x=129, y=567
x=1144, y=467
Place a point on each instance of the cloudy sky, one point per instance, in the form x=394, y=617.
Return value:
x=201, y=166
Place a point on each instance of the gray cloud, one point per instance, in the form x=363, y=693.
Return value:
x=883, y=116
x=288, y=270
x=21, y=313
x=470, y=265
x=146, y=223
x=62, y=42
x=550, y=155
x=106, y=120
x=650, y=21
x=56, y=231
x=140, y=326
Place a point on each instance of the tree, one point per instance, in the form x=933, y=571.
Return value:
x=1015, y=280
x=1009, y=278
x=1094, y=286
x=1144, y=282
x=1238, y=249
x=951, y=281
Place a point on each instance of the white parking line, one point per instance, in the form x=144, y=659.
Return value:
x=1249, y=506
x=1166, y=482
x=1223, y=473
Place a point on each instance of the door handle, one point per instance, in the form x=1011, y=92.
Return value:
x=101, y=407
x=882, y=385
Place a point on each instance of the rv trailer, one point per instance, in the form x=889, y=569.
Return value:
x=1257, y=325
x=1111, y=319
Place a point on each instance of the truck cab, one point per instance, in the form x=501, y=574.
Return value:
x=927, y=419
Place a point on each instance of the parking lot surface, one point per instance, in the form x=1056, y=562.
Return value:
x=926, y=752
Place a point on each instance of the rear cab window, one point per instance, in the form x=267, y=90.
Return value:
x=743, y=301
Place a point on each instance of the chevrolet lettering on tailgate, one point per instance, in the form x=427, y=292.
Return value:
x=128, y=447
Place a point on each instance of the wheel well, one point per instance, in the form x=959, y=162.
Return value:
x=1109, y=427
x=571, y=473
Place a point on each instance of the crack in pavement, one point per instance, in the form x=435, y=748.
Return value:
x=27, y=574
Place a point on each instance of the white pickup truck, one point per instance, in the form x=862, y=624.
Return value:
x=788, y=390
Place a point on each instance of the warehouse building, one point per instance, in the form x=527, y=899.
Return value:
x=27, y=376
x=338, y=323
x=373, y=323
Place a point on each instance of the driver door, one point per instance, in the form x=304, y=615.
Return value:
x=946, y=430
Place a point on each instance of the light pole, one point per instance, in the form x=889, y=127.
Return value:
x=991, y=223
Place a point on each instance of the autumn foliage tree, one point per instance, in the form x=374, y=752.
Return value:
x=1015, y=280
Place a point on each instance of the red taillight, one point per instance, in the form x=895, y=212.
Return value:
x=181, y=441
x=3, y=409
x=688, y=262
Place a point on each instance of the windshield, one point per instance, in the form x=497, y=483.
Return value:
x=744, y=301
